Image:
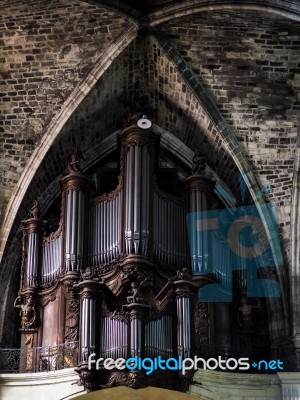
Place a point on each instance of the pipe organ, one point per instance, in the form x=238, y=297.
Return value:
x=170, y=245
x=51, y=259
x=158, y=337
x=137, y=193
x=115, y=278
x=113, y=337
x=32, y=229
x=104, y=243
x=75, y=187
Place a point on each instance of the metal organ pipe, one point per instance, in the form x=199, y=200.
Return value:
x=137, y=172
x=169, y=223
x=187, y=326
x=75, y=186
x=200, y=188
x=179, y=328
x=100, y=239
x=33, y=229
x=158, y=337
x=105, y=217
x=29, y=260
x=67, y=231
x=80, y=230
x=145, y=200
x=129, y=202
x=73, y=228
x=183, y=326
x=137, y=198
x=135, y=336
x=113, y=337
x=88, y=326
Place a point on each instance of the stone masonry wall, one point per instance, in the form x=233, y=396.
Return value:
x=46, y=49
x=250, y=66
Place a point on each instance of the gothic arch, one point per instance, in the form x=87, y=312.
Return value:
x=279, y=7
x=214, y=124
x=56, y=125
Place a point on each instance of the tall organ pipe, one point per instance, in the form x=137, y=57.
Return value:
x=201, y=189
x=88, y=295
x=104, y=223
x=33, y=243
x=137, y=144
x=75, y=189
x=183, y=326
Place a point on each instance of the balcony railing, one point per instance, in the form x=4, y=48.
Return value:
x=39, y=359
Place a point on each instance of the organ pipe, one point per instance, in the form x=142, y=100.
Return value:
x=137, y=144
x=51, y=260
x=158, y=337
x=105, y=237
x=88, y=296
x=75, y=190
x=113, y=337
x=168, y=228
x=183, y=326
x=201, y=190
x=135, y=336
x=33, y=235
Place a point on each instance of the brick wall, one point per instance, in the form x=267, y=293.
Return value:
x=250, y=66
x=46, y=49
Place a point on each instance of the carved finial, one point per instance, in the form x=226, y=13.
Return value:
x=199, y=161
x=88, y=273
x=35, y=210
x=183, y=274
x=74, y=164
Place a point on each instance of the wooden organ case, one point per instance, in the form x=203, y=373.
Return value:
x=115, y=278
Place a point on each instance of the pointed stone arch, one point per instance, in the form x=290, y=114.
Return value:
x=54, y=128
x=278, y=7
